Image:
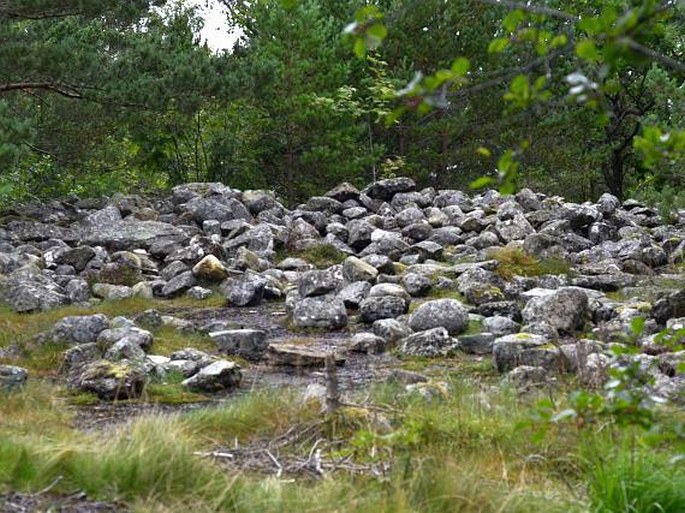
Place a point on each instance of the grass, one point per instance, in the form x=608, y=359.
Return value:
x=321, y=256
x=513, y=261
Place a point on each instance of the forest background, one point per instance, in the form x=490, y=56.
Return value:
x=570, y=98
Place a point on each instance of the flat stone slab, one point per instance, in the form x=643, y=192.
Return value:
x=295, y=356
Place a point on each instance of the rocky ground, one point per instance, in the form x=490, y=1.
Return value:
x=535, y=284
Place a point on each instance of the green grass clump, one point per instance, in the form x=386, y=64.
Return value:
x=320, y=255
x=513, y=261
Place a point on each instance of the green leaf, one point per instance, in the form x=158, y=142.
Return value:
x=637, y=326
x=559, y=41
x=587, y=50
x=460, y=66
x=481, y=182
x=513, y=19
x=377, y=31
x=484, y=152
x=498, y=45
x=360, y=47
x=289, y=4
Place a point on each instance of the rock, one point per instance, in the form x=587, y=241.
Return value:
x=368, y=343
x=131, y=234
x=81, y=329
x=125, y=348
x=669, y=306
x=149, y=319
x=316, y=283
x=446, y=313
x=296, y=356
x=12, y=378
x=416, y=285
x=77, y=257
x=210, y=268
x=525, y=376
x=111, y=292
x=499, y=325
x=199, y=293
x=215, y=377
x=480, y=343
x=110, y=381
x=179, y=284
x=344, y=192
x=355, y=269
x=565, y=310
x=246, y=343
x=320, y=312
x=517, y=228
x=29, y=289
x=353, y=294
x=510, y=351
x=385, y=189
x=391, y=330
x=75, y=358
x=259, y=200
x=383, y=307
x=429, y=343
x=142, y=338
x=246, y=290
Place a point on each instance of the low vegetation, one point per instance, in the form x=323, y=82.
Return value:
x=513, y=261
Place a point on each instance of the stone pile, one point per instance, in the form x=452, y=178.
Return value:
x=401, y=248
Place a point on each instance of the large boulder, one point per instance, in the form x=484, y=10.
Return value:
x=565, y=310
x=449, y=314
x=374, y=308
x=385, y=189
x=210, y=268
x=510, y=351
x=316, y=283
x=355, y=269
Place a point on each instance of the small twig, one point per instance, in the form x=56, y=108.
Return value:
x=276, y=462
x=215, y=454
x=49, y=487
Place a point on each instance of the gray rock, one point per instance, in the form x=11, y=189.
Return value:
x=385, y=189
x=317, y=283
x=446, y=313
x=565, y=310
x=77, y=257
x=125, y=348
x=499, y=325
x=355, y=269
x=81, y=329
x=391, y=330
x=199, y=293
x=111, y=292
x=179, y=284
x=77, y=290
x=429, y=343
x=246, y=290
x=12, y=378
x=216, y=377
x=75, y=358
x=374, y=308
x=416, y=285
x=247, y=343
x=353, y=294
x=29, y=289
x=320, y=312
x=110, y=381
x=480, y=343
x=510, y=351
x=107, y=338
x=131, y=234
x=669, y=307
x=368, y=343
